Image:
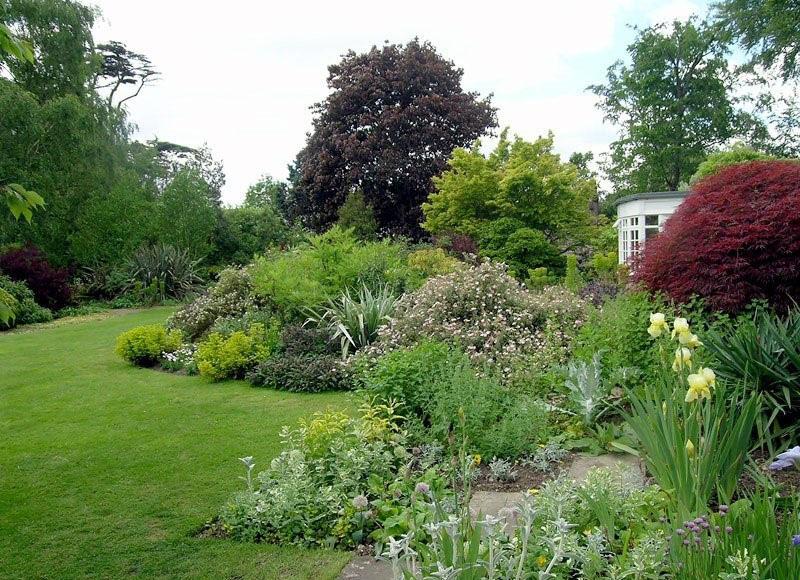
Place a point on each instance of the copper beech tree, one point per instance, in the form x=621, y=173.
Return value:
x=392, y=119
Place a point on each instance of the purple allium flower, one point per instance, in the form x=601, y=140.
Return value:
x=422, y=488
x=796, y=540
x=716, y=529
x=723, y=509
x=680, y=531
x=790, y=458
x=705, y=525
x=360, y=502
x=686, y=542
x=728, y=529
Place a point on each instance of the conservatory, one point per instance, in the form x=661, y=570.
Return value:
x=641, y=216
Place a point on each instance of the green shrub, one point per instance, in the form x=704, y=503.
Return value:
x=497, y=422
x=429, y=262
x=325, y=487
x=144, y=345
x=615, y=329
x=434, y=385
x=539, y=278
x=22, y=304
x=302, y=373
x=719, y=160
x=309, y=275
x=219, y=357
x=573, y=279
x=521, y=248
x=409, y=375
x=604, y=266
x=356, y=214
x=230, y=297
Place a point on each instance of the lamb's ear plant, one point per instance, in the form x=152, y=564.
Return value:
x=694, y=440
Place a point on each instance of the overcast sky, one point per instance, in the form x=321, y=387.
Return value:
x=240, y=76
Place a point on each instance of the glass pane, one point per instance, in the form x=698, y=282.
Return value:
x=651, y=220
x=650, y=233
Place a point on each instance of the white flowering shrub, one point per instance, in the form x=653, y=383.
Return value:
x=497, y=321
x=231, y=296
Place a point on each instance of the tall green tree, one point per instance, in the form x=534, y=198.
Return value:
x=61, y=32
x=268, y=191
x=187, y=216
x=769, y=30
x=672, y=102
x=521, y=202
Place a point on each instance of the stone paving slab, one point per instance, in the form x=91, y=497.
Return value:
x=629, y=464
x=366, y=568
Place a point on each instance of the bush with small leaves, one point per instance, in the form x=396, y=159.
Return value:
x=22, y=304
x=489, y=315
x=144, y=345
x=219, y=357
x=304, y=373
x=231, y=296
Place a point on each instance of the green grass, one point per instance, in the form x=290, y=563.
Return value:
x=108, y=471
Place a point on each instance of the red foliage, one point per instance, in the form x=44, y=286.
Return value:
x=50, y=286
x=734, y=239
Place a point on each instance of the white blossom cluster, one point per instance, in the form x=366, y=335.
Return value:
x=495, y=319
x=231, y=296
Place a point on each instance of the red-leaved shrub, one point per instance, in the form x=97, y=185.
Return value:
x=734, y=239
x=50, y=285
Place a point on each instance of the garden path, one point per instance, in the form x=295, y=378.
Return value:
x=491, y=502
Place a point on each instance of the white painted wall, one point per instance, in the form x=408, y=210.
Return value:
x=631, y=227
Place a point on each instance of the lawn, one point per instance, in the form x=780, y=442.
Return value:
x=107, y=470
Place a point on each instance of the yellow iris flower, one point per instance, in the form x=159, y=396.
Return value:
x=689, y=339
x=680, y=326
x=683, y=357
x=689, y=448
x=698, y=388
x=708, y=375
x=658, y=324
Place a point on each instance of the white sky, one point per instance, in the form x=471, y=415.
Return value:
x=241, y=75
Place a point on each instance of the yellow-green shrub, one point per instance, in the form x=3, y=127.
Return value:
x=144, y=345
x=428, y=262
x=220, y=357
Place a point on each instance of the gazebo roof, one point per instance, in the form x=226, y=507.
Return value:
x=652, y=195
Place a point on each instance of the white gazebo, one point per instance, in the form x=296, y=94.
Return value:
x=641, y=216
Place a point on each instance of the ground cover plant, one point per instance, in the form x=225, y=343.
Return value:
x=110, y=470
